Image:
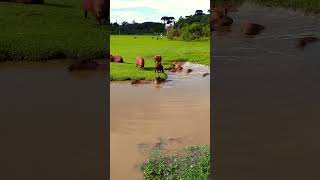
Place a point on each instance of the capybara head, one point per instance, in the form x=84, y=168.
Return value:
x=157, y=58
x=252, y=28
x=116, y=58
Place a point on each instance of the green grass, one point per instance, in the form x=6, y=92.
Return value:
x=188, y=164
x=143, y=45
x=56, y=29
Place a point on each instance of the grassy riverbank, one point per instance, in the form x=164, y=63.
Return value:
x=56, y=29
x=129, y=47
x=190, y=163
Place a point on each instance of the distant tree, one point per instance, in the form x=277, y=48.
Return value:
x=164, y=19
x=199, y=13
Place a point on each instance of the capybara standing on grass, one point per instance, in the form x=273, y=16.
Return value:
x=116, y=58
x=158, y=68
x=157, y=58
x=140, y=62
x=98, y=8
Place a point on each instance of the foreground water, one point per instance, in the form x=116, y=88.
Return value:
x=142, y=114
x=266, y=93
x=52, y=122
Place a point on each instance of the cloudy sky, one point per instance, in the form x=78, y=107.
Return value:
x=153, y=10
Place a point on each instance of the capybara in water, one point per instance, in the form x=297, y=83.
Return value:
x=205, y=74
x=252, y=28
x=136, y=82
x=178, y=66
x=159, y=80
x=84, y=65
x=140, y=62
x=158, y=68
x=302, y=42
x=98, y=8
x=116, y=58
x=189, y=71
x=157, y=58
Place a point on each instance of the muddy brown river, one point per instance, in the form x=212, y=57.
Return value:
x=142, y=114
x=266, y=94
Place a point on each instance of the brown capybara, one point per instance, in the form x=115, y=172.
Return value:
x=158, y=68
x=159, y=80
x=140, y=62
x=178, y=66
x=116, y=58
x=157, y=58
x=84, y=65
x=252, y=28
x=205, y=74
x=98, y=8
x=302, y=42
x=189, y=71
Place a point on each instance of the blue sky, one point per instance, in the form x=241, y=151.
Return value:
x=153, y=10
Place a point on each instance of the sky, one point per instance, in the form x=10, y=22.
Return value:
x=153, y=10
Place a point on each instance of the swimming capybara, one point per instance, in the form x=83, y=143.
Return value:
x=140, y=62
x=159, y=80
x=158, y=68
x=98, y=8
x=157, y=58
x=252, y=28
x=84, y=65
x=178, y=66
x=302, y=42
x=116, y=58
x=189, y=71
x=205, y=74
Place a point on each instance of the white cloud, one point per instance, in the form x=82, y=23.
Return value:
x=153, y=10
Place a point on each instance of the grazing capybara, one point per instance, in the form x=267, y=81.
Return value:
x=158, y=68
x=205, y=74
x=98, y=8
x=140, y=62
x=302, y=42
x=159, y=80
x=189, y=71
x=84, y=65
x=252, y=28
x=157, y=58
x=116, y=58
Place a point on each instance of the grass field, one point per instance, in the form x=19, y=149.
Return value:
x=56, y=29
x=189, y=163
x=143, y=45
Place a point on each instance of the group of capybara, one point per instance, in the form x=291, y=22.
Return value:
x=220, y=18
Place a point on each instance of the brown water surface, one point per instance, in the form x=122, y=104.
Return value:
x=52, y=122
x=266, y=94
x=141, y=114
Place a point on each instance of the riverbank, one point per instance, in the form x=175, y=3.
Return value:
x=54, y=30
x=130, y=46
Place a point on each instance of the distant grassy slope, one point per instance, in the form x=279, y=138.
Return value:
x=129, y=48
x=56, y=29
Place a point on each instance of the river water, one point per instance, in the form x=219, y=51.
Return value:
x=143, y=114
x=266, y=94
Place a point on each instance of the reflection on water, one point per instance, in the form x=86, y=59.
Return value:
x=141, y=114
x=51, y=122
x=267, y=97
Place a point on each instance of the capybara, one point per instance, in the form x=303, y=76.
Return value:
x=178, y=66
x=116, y=58
x=252, y=28
x=302, y=42
x=205, y=74
x=136, y=82
x=157, y=58
x=159, y=80
x=189, y=71
x=158, y=68
x=84, y=65
x=140, y=62
x=98, y=8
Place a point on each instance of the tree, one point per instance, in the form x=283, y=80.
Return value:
x=199, y=13
x=164, y=19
